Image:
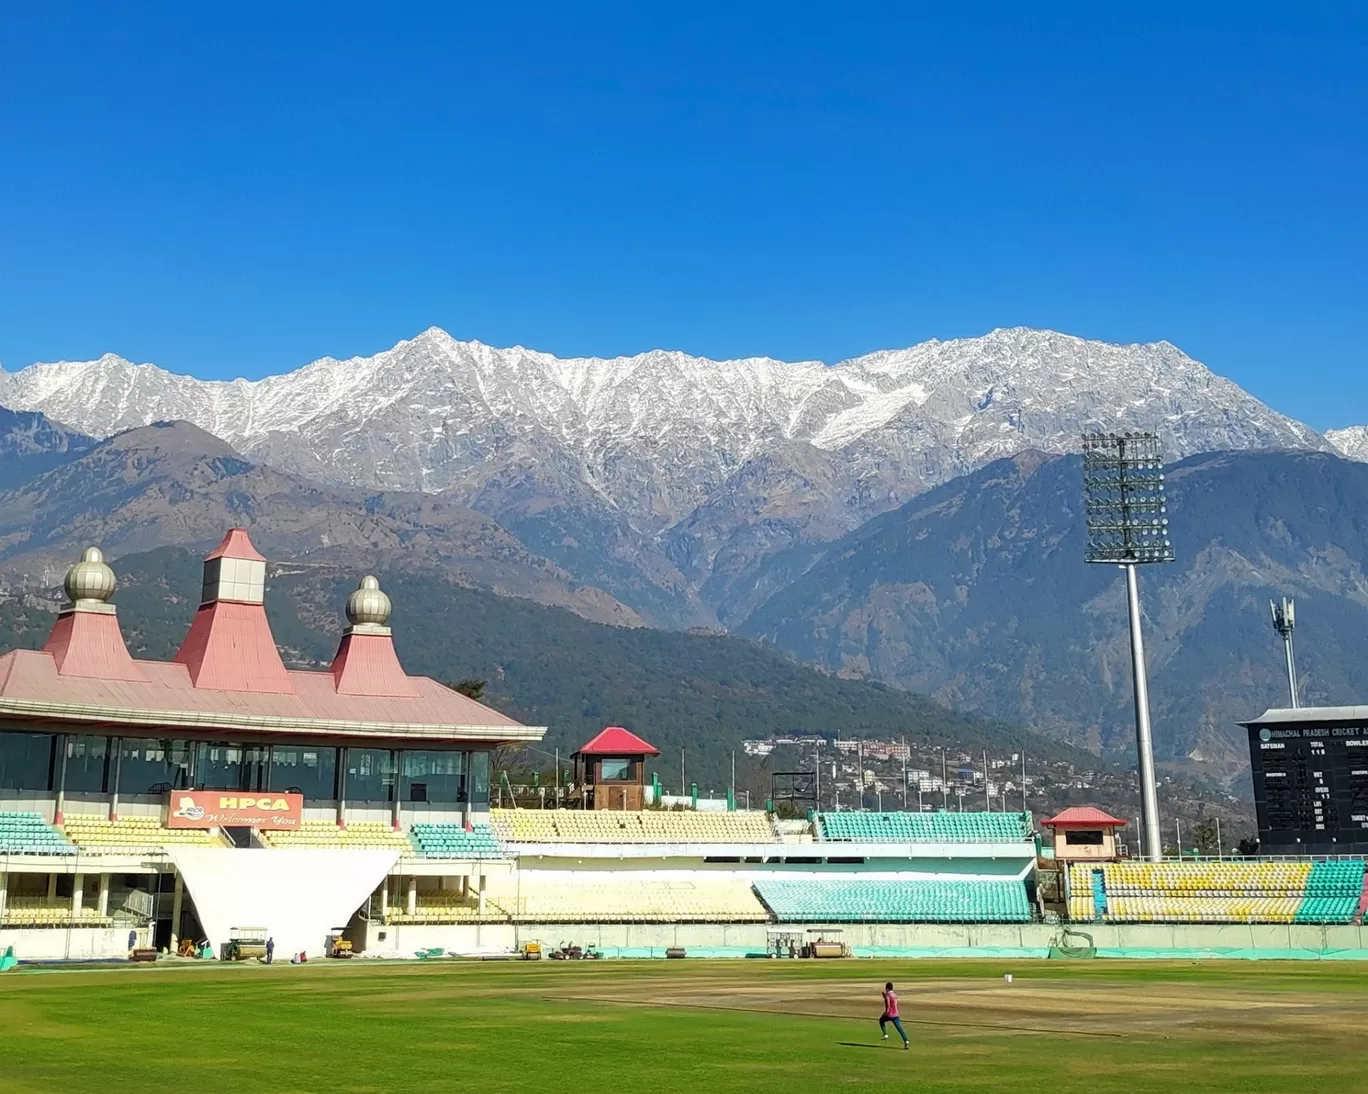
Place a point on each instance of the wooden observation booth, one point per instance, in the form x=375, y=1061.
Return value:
x=612, y=769
x=1084, y=834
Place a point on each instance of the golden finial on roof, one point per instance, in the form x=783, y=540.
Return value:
x=369, y=605
x=90, y=580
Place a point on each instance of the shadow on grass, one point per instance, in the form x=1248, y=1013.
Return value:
x=857, y=1044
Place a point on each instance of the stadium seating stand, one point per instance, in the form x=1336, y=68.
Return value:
x=136, y=834
x=21, y=911
x=942, y=827
x=29, y=834
x=860, y=900
x=1216, y=892
x=708, y=899
x=627, y=826
x=357, y=835
x=453, y=841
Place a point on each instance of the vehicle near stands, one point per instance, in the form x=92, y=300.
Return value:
x=245, y=944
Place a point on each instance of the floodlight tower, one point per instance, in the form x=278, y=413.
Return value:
x=1127, y=519
x=1284, y=620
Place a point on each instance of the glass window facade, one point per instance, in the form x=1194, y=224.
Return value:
x=26, y=761
x=479, y=780
x=230, y=766
x=434, y=777
x=150, y=765
x=154, y=765
x=308, y=771
x=219, y=766
x=87, y=764
x=370, y=775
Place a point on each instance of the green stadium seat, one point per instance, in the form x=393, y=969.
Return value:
x=858, y=900
x=453, y=841
x=23, y=833
x=941, y=827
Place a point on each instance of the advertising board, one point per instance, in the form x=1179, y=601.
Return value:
x=233, y=809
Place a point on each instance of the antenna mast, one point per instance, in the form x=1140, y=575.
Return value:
x=1284, y=621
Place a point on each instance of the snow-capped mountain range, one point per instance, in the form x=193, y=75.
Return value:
x=421, y=415
x=664, y=468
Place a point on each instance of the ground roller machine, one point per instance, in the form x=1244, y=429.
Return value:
x=245, y=943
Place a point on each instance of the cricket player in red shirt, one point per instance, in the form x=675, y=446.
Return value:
x=890, y=1014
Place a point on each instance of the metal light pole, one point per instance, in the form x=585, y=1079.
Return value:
x=904, y=759
x=1144, y=735
x=859, y=762
x=1284, y=620
x=1126, y=514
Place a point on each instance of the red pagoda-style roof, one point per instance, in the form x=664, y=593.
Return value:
x=616, y=741
x=228, y=676
x=90, y=644
x=236, y=544
x=1084, y=815
x=32, y=689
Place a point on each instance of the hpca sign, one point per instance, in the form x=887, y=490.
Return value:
x=232, y=809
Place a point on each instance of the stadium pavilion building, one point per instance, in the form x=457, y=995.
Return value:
x=101, y=748
x=222, y=797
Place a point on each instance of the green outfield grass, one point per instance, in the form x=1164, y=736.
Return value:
x=714, y=1027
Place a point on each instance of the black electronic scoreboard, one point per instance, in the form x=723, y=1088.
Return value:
x=1310, y=787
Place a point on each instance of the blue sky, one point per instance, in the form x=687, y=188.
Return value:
x=238, y=190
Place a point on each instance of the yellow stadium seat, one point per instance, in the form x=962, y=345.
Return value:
x=356, y=835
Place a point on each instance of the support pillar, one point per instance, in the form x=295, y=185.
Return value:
x=465, y=886
x=482, y=894
x=412, y=904
x=117, y=743
x=398, y=786
x=467, y=788
x=384, y=899
x=52, y=887
x=60, y=806
x=77, y=895
x=103, y=906
x=341, y=788
x=177, y=901
x=4, y=893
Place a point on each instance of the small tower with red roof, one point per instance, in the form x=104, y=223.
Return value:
x=230, y=646
x=612, y=769
x=86, y=640
x=1083, y=833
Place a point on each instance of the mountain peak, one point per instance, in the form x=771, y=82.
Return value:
x=173, y=436
x=1351, y=442
x=433, y=336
